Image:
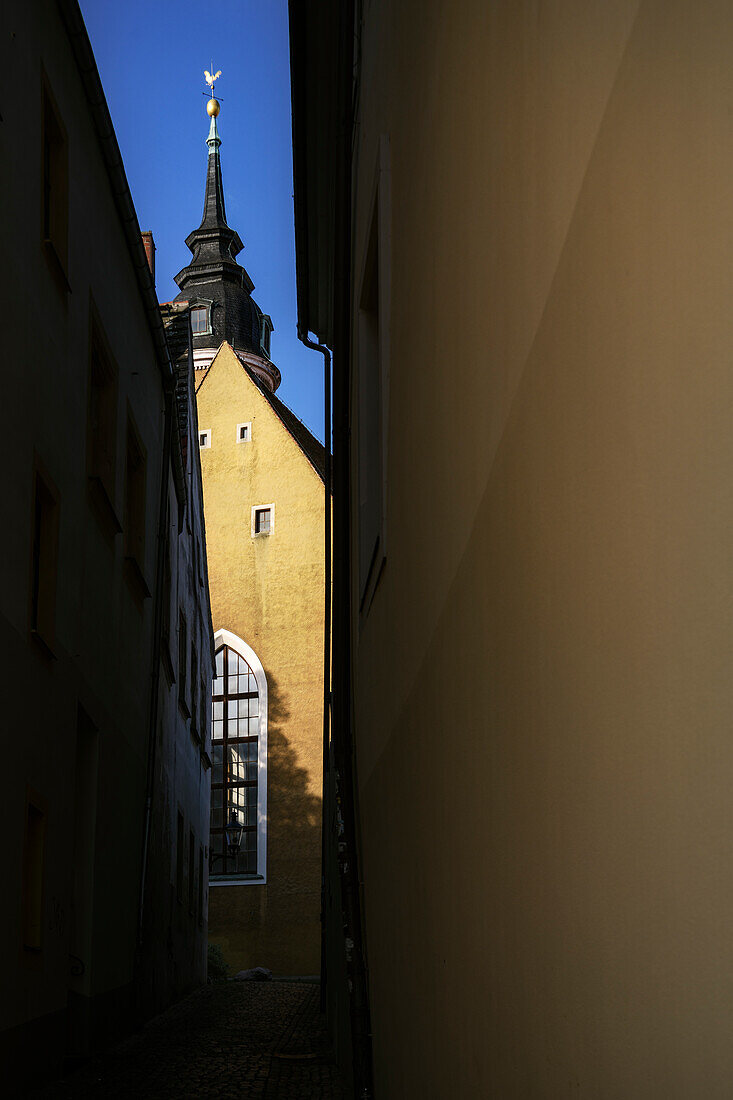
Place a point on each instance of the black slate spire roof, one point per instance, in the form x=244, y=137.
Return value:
x=214, y=278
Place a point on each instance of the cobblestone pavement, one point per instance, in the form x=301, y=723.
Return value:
x=250, y=1040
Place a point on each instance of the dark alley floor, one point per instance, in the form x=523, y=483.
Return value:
x=250, y=1040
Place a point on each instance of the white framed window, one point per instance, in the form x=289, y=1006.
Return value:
x=199, y=320
x=265, y=332
x=244, y=432
x=263, y=519
x=204, y=438
x=239, y=763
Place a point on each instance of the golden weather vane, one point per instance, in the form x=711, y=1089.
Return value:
x=212, y=107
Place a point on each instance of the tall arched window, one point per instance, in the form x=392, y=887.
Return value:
x=239, y=756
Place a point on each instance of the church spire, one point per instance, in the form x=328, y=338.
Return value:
x=214, y=211
x=218, y=288
x=213, y=242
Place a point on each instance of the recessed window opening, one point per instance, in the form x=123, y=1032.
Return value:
x=182, y=656
x=205, y=439
x=167, y=583
x=191, y=873
x=200, y=904
x=33, y=863
x=234, y=752
x=102, y=414
x=263, y=521
x=199, y=320
x=135, y=478
x=179, y=858
x=194, y=688
x=244, y=432
x=370, y=412
x=265, y=332
x=55, y=227
x=44, y=559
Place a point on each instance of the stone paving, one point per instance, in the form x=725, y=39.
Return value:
x=249, y=1040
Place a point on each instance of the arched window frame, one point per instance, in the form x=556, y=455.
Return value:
x=226, y=637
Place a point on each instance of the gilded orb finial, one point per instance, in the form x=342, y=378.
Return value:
x=213, y=108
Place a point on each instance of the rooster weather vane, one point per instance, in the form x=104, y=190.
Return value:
x=211, y=80
x=212, y=107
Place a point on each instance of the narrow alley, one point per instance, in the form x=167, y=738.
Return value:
x=250, y=1040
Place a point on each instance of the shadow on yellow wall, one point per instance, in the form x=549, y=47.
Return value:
x=294, y=810
x=277, y=925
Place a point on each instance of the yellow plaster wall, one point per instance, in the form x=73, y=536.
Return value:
x=269, y=592
x=544, y=689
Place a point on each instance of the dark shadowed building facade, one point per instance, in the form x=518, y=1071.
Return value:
x=105, y=626
x=514, y=229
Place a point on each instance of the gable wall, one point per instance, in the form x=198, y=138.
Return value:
x=268, y=591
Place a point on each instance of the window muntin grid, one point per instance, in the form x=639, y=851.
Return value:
x=262, y=521
x=200, y=319
x=235, y=754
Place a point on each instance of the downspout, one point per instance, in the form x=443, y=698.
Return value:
x=162, y=548
x=303, y=337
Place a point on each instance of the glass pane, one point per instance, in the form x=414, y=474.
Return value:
x=254, y=724
x=217, y=773
x=217, y=818
x=220, y=663
x=252, y=683
x=218, y=731
x=254, y=707
x=252, y=770
x=217, y=797
x=246, y=863
x=217, y=711
x=237, y=799
x=237, y=765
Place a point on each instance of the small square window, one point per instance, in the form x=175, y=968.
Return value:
x=263, y=521
x=244, y=433
x=205, y=439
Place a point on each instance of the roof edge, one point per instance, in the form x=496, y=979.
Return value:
x=313, y=450
x=84, y=55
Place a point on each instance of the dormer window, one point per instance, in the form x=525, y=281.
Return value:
x=265, y=335
x=199, y=320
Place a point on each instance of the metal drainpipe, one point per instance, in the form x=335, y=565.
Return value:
x=303, y=337
x=155, y=656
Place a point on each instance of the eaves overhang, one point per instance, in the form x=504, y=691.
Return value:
x=316, y=115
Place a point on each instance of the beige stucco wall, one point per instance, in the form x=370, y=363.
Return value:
x=544, y=689
x=269, y=592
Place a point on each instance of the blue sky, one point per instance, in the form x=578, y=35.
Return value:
x=151, y=57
